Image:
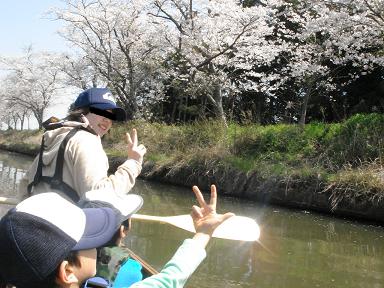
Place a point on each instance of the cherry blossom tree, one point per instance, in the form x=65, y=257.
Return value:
x=212, y=38
x=215, y=50
x=115, y=38
x=32, y=82
x=329, y=37
x=130, y=43
x=3, y=113
x=79, y=72
x=12, y=115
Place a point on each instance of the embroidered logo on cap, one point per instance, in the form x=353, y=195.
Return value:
x=108, y=96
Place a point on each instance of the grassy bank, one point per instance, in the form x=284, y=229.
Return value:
x=346, y=158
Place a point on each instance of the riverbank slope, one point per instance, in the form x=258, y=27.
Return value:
x=331, y=168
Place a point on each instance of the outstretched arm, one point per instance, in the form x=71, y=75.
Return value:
x=190, y=254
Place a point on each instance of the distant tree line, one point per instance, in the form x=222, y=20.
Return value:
x=176, y=61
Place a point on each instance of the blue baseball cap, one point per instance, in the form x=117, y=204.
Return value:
x=37, y=235
x=102, y=99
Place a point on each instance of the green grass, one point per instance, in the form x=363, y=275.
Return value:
x=328, y=146
x=340, y=155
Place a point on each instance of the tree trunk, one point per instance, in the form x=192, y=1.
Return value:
x=185, y=109
x=180, y=106
x=39, y=117
x=131, y=83
x=174, y=108
x=22, y=123
x=304, y=106
x=218, y=103
x=258, y=108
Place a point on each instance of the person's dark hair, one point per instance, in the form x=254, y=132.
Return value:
x=50, y=281
x=116, y=236
x=75, y=115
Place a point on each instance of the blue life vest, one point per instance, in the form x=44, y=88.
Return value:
x=128, y=274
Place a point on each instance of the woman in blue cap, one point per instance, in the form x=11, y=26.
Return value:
x=72, y=160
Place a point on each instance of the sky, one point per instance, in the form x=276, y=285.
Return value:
x=24, y=23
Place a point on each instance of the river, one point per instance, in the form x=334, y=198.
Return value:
x=296, y=248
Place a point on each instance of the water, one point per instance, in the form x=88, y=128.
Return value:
x=296, y=249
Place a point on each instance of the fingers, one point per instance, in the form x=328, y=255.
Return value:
x=227, y=215
x=199, y=196
x=213, y=199
x=132, y=139
x=134, y=136
x=142, y=149
x=128, y=138
x=196, y=212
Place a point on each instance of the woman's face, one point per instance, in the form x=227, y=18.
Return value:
x=99, y=124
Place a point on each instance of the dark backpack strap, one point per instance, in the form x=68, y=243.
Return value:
x=61, y=186
x=60, y=155
x=56, y=181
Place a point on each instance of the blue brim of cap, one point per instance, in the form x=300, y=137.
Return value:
x=120, y=113
x=99, y=229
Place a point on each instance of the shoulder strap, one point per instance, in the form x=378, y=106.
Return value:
x=56, y=181
x=60, y=155
x=57, y=178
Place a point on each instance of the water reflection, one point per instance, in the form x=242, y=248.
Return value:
x=12, y=169
x=296, y=249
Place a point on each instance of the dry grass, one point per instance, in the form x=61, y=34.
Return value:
x=341, y=154
x=364, y=183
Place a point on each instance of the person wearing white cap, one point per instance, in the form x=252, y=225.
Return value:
x=36, y=243
x=46, y=241
x=113, y=263
x=72, y=160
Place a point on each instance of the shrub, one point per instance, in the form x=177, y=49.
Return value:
x=358, y=139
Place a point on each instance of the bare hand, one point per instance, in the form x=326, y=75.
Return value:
x=205, y=217
x=135, y=151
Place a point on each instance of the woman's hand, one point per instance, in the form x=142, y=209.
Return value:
x=205, y=218
x=135, y=152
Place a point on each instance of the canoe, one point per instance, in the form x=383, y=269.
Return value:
x=122, y=266
x=147, y=270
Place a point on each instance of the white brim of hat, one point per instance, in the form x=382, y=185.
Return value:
x=126, y=204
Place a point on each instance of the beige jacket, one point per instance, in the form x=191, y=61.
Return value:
x=85, y=165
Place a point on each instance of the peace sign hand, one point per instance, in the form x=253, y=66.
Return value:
x=205, y=218
x=135, y=151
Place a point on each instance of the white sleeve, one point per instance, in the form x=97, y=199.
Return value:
x=89, y=165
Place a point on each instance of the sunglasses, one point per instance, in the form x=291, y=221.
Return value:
x=96, y=282
x=103, y=113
